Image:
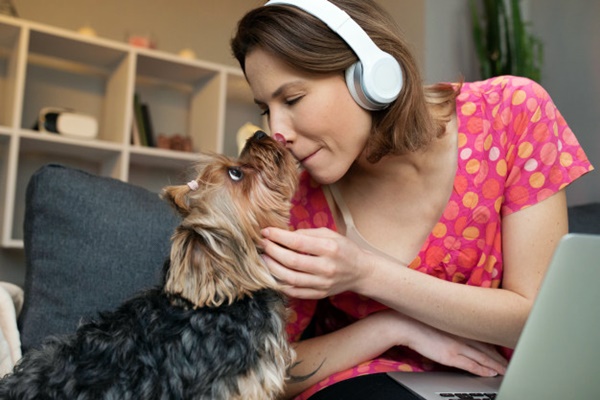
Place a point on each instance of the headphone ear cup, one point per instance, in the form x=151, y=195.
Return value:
x=377, y=85
x=354, y=81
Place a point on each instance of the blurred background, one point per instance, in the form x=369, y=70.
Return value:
x=440, y=32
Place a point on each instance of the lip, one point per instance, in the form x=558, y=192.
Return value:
x=308, y=157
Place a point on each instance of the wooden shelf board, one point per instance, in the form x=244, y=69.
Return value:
x=152, y=67
x=32, y=141
x=150, y=156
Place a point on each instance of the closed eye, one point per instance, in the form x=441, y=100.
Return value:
x=287, y=102
x=291, y=102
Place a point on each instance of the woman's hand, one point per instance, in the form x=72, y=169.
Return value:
x=447, y=349
x=314, y=263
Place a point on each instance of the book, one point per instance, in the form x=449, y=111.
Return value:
x=148, y=129
x=139, y=119
x=136, y=140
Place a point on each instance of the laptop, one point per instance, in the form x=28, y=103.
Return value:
x=558, y=353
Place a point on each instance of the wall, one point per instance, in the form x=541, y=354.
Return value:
x=440, y=32
x=205, y=26
x=571, y=74
x=202, y=25
x=449, y=50
x=570, y=32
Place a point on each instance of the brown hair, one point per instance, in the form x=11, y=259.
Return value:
x=418, y=114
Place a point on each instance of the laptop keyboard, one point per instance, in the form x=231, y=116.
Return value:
x=461, y=396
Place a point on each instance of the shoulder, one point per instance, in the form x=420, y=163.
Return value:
x=511, y=106
x=504, y=85
x=502, y=97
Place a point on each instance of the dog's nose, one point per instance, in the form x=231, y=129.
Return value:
x=259, y=135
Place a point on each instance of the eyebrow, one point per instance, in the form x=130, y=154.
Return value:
x=280, y=90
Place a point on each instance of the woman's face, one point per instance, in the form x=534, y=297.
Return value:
x=323, y=126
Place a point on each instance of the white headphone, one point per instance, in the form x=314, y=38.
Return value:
x=376, y=79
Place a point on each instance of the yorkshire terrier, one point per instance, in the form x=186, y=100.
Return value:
x=216, y=328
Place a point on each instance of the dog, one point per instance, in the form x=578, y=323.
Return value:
x=215, y=329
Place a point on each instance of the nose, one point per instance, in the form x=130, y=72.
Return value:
x=258, y=135
x=281, y=126
x=280, y=138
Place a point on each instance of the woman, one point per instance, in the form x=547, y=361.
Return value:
x=422, y=230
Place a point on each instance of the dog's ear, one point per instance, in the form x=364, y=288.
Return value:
x=177, y=196
x=212, y=267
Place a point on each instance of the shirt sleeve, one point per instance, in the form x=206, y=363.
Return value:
x=542, y=155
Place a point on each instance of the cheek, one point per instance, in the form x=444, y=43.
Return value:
x=334, y=109
x=351, y=127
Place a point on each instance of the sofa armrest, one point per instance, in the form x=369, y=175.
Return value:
x=11, y=301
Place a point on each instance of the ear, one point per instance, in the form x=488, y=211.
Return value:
x=211, y=268
x=181, y=276
x=177, y=196
x=198, y=273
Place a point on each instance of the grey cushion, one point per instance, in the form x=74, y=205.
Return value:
x=90, y=243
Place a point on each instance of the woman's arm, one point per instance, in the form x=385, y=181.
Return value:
x=369, y=337
x=319, y=263
x=488, y=315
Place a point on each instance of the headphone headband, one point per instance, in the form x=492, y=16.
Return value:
x=339, y=22
x=376, y=79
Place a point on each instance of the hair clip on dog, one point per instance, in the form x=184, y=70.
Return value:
x=193, y=185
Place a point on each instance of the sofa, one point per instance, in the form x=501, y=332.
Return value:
x=91, y=242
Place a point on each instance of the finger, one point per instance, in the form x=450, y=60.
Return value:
x=308, y=241
x=483, y=363
x=318, y=232
x=292, y=260
x=303, y=293
x=491, y=351
x=472, y=366
x=283, y=255
x=291, y=277
x=289, y=239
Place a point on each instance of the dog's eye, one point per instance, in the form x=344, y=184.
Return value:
x=235, y=173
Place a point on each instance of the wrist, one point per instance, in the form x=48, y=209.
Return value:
x=373, y=275
x=366, y=268
x=393, y=327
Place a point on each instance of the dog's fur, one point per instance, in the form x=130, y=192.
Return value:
x=216, y=328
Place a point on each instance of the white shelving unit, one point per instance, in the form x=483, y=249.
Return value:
x=42, y=66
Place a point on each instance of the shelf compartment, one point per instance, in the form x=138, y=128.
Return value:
x=154, y=169
x=68, y=46
x=37, y=150
x=184, y=97
x=240, y=109
x=66, y=72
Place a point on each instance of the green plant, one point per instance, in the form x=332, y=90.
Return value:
x=503, y=44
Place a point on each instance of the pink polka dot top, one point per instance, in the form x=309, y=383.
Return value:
x=514, y=150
